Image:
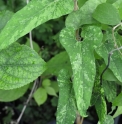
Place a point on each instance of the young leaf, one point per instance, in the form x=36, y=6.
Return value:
x=66, y=111
x=40, y=95
x=100, y=106
x=19, y=65
x=107, y=14
x=46, y=83
x=50, y=91
x=32, y=15
x=84, y=15
x=118, y=100
x=83, y=62
x=11, y=95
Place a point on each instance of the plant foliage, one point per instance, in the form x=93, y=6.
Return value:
x=89, y=70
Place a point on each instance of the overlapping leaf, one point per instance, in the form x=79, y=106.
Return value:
x=110, y=89
x=102, y=14
x=83, y=15
x=100, y=106
x=66, y=111
x=19, y=65
x=82, y=61
x=11, y=95
x=34, y=14
x=115, y=61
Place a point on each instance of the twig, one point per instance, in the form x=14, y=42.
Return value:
x=75, y=5
x=112, y=51
x=79, y=120
x=34, y=85
x=28, y=100
x=107, y=66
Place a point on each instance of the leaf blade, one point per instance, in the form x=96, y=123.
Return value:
x=29, y=17
x=19, y=65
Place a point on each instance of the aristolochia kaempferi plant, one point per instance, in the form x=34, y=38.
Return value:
x=88, y=40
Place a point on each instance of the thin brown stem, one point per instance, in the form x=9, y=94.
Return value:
x=114, y=39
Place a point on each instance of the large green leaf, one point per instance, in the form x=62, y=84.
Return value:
x=100, y=106
x=82, y=61
x=34, y=14
x=84, y=15
x=103, y=14
x=11, y=95
x=19, y=65
x=66, y=111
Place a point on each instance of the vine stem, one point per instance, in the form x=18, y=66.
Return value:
x=34, y=85
x=112, y=51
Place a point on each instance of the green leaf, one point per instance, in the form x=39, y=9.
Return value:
x=117, y=3
x=120, y=10
x=111, y=1
x=11, y=95
x=81, y=2
x=84, y=15
x=46, y=83
x=118, y=112
x=66, y=111
x=100, y=106
x=32, y=15
x=118, y=100
x=108, y=120
x=54, y=85
x=35, y=45
x=19, y=65
x=110, y=89
x=4, y=18
x=103, y=14
x=115, y=61
x=58, y=62
x=40, y=96
x=50, y=91
x=108, y=74
x=83, y=62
